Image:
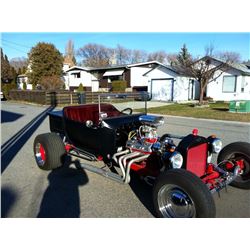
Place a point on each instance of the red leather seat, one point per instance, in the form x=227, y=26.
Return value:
x=83, y=113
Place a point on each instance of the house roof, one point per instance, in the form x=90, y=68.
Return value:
x=107, y=67
x=144, y=63
x=77, y=67
x=243, y=68
x=176, y=69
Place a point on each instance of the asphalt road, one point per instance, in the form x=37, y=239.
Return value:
x=30, y=192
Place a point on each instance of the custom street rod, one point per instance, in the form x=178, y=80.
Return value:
x=182, y=174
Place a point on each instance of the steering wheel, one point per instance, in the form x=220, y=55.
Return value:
x=129, y=110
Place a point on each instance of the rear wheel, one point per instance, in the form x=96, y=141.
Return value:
x=49, y=151
x=238, y=151
x=181, y=194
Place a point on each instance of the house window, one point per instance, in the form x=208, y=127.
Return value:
x=115, y=78
x=77, y=75
x=229, y=84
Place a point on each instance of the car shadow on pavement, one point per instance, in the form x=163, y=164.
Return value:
x=8, y=197
x=7, y=116
x=61, y=198
x=143, y=191
x=11, y=147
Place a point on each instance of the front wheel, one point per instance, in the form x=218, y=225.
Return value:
x=234, y=152
x=49, y=151
x=178, y=193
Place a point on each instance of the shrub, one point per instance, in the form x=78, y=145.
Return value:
x=24, y=86
x=119, y=86
x=51, y=82
x=80, y=88
x=6, y=87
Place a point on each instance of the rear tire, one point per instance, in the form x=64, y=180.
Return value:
x=49, y=151
x=236, y=151
x=178, y=193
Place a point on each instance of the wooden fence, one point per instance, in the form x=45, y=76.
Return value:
x=60, y=97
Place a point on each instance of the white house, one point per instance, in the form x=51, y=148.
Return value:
x=21, y=79
x=76, y=75
x=163, y=82
x=138, y=71
x=166, y=83
x=95, y=79
x=233, y=84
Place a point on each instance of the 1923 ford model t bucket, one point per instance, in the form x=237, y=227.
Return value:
x=182, y=174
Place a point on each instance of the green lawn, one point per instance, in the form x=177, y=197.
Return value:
x=217, y=111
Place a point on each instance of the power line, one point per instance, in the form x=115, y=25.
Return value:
x=18, y=44
x=7, y=45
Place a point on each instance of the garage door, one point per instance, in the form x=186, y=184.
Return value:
x=162, y=89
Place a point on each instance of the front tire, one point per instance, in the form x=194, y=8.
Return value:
x=178, y=193
x=49, y=151
x=237, y=151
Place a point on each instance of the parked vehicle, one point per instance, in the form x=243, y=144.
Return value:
x=143, y=96
x=2, y=96
x=182, y=173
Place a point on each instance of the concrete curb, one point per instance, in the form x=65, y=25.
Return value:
x=203, y=119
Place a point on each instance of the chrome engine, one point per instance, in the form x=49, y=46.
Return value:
x=145, y=138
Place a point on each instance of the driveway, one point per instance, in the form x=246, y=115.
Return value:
x=30, y=192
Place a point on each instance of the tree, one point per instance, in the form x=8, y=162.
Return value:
x=138, y=56
x=123, y=55
x=14, y=74
x=70, y=54
x=208, y=69
x=7, y=73
x=184, y=58
x=53, y=82
x=230, y=56
x=209, y=50
x=44, y=61
x=19, y=63
x=23, y=70
x=80, y=88
x=24, y=85
x=160, y=56
x=69, y=50
x=172, y=59
x=19, y=72
x=95, y=55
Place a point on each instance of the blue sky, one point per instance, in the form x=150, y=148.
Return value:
x=19, y=44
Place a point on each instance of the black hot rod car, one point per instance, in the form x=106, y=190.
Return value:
x=182, y=174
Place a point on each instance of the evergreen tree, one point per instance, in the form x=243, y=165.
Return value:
x=24, y=85
x=74, y=60
x=14, y=74
x=7, y=74
x=80, y=88
x=24, y=69
x=45, y=61
x=19, y=71
x=184, y=58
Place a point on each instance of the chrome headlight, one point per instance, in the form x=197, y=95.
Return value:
x=176, y=160
x=216, y=145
